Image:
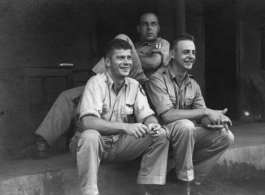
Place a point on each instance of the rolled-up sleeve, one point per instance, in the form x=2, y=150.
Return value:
x=157, y=92
x=198, y=101
x=163, y=49
x=91, y=103
x=141, y=106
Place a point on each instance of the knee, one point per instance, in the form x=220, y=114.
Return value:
x=89, y=137
x=163, y=134
x=64, y=98
x=183, y=127
x=122, y=36
x=229, y=137
x=71, y=94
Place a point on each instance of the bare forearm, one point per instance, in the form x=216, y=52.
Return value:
x=106, y=127
x=150, y=119
x=103, y=126
x=177, y=114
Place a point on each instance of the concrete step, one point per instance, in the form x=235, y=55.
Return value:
x=52, y=180
x=58, y=175
x=247, y=154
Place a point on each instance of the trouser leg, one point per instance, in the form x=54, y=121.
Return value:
x=88, y=147
x=58, y=119
x=136, y=72
x=209, y=146
x=182, y=139
x=154, y=152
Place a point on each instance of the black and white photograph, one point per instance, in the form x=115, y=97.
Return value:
x=132, y=97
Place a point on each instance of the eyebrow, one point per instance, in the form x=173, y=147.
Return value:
x=124, y=55
x=149, y=22
x=188, y=50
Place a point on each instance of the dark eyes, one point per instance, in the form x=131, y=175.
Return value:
x=128, y=58
x=146, y=24
x=187, y=52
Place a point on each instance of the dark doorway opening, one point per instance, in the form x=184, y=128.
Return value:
x=220, y=57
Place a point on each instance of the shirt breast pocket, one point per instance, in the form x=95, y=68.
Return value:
x=127, y=110
x=188, y=101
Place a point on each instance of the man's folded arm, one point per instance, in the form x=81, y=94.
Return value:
x=150, y=62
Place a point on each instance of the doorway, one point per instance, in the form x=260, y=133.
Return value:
x=220, y=57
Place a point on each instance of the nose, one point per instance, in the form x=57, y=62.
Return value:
x=149, y=26
x=191, y=55
x=127, y=61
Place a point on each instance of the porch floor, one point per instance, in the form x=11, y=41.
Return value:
x=58, y=174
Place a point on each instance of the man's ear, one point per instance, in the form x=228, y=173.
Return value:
x=107, y=62
x=172, y=53
x=138, y=28
x=158, y=29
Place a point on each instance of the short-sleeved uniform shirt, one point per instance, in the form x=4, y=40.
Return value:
x=100, y=100
x=160, y=46
x=165, y=93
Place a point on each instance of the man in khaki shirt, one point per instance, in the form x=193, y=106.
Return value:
x=104, y=133
x=148, y=55
x=178, y=101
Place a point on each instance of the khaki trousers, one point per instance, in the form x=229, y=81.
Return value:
x=196, y=149
x=58, y=119
x=90, y=148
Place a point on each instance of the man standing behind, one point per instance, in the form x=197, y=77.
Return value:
x=148, y=55
x=104, y=133
x=151, y=53
x=152, y=50
x=178, y=101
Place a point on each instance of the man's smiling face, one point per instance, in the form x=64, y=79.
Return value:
x=120, y=63
x=184, y=54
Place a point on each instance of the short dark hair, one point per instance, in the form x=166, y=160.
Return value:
x=115, y=44
x=181, y=37
x=147, y=14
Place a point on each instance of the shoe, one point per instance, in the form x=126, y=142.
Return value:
x=197, y=180
x=41, y=147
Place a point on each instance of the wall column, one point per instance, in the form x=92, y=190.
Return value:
x=179, y=17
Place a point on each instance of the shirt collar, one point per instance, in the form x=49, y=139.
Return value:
x=111, y=82
x=186, y=80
